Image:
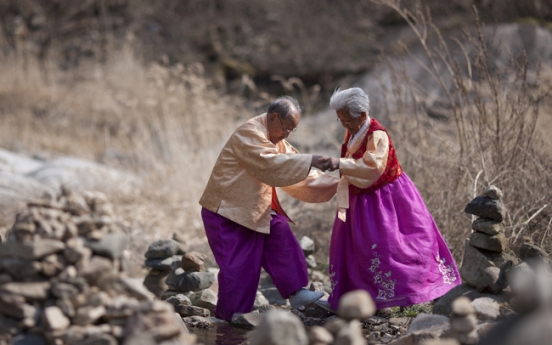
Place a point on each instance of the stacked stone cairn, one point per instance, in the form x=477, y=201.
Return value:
x=463, y=322
x=61, y=281
x=189, y=288
x=160, y=257
x=486, y=254
x=278, y=327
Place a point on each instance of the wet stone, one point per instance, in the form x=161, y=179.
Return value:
x=247, y=320
x=186, y=310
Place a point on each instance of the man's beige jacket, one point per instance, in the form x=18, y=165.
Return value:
x=249, y=165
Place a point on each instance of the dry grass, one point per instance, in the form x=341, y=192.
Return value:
x=165, y=125
x=494, y=110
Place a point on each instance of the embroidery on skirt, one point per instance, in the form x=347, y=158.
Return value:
x=333, y=281
x=446, y=270
x=386, y=284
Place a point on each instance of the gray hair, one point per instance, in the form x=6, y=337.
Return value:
x=283, y=106
x=354, y=99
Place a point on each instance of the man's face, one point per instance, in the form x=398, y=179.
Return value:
x=279, y=129
x=352, y=124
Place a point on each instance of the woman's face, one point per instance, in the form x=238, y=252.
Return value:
x=352, y=124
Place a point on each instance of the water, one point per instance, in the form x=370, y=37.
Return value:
x=223, y=334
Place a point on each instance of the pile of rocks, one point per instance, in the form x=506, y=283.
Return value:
x=463, y=322
x=61, y=280
x=486, y=256
x=160, y=257
x=180, y=278
x=279, y=327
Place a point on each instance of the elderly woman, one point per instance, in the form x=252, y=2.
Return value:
x=384, y=240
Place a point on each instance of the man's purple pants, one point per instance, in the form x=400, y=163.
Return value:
x=240, y=254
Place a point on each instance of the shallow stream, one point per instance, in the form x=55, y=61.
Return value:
x=223, y=334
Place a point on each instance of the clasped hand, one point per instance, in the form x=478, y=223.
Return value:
x=325, y=163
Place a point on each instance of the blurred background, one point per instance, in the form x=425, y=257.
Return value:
x=152, y=89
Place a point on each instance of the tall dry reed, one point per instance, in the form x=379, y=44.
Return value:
x=494, y=107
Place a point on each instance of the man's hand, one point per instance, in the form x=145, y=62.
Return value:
x=333, y=163
x=325, y=163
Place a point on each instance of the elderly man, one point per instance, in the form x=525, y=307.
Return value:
x=245, y=225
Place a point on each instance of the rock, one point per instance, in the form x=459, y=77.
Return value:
x=163, y=264
x=530, y=251
x=186, y=310
x=88, y=314
x=54, y=319
x=247, y=320
x=486, y=308
x=357, y=304
x=311, y=261
x=461, y=306
x=190, y=281
x=534, y=328
x=464, y=324
x=273, y=296
x=485, y=207
x=420, y=337
x=97, y=267
x=487, y=226
x=99, y=339
x=111, y=245
x=496, y=243
x=204, y=299
x=479, y=269
x=37, y=291
x=350, y=334
x=163, y=249
x=133, y=287
x=29, y=339
x=193, y=261
x=435, y=324
x=14, y=305
x=307, y=245
x=155, y=282
x=27, y=251
x=260, y=300
x=278, y=327
x=20, y=269
x=179, y=299
x=443, y=304
x=493, y=192
x=320, y=335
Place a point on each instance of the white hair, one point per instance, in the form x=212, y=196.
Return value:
x=354, y=99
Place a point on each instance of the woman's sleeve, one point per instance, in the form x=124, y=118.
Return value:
x=363, y=172
x=317, y=187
